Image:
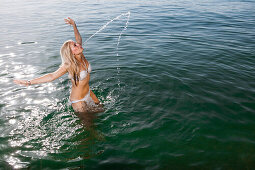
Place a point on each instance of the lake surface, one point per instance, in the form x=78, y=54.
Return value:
x=178, y=87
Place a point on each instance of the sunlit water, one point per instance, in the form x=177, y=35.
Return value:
x=177, y=85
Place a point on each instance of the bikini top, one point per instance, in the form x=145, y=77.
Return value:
x=83, y=73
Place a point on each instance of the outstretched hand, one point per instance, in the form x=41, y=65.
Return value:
x=21, y=82
x=69, y=21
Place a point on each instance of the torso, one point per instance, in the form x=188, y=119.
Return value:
x=79, y=91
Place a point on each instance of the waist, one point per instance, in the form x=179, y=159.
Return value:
x=85, y=98
x=78, y=92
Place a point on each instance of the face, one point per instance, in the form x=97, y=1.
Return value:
x=76, y=48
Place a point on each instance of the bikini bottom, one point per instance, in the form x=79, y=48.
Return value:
x=87, y=99
x=86, y=104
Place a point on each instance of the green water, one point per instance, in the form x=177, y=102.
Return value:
x=178, y=90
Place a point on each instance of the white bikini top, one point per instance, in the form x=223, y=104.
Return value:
x=83, y=73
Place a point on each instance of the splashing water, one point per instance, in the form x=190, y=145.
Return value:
x=125, y=28
x=104, y=26
x=117, y=48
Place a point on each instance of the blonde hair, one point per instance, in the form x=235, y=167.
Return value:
x=69, y=61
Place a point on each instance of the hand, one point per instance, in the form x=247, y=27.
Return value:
x=69, y=21
x=21, y=82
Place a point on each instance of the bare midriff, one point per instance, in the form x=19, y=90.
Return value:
x=79, y=92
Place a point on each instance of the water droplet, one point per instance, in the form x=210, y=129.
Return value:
x=12, y=121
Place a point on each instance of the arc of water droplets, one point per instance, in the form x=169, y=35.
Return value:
x=125, y=28
x=104, y=26
x=118, y=69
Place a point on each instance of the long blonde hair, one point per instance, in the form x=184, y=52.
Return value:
x=69, y=61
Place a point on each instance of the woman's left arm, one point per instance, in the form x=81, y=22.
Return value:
x=94, y=97
x=43, y=79
x=75, y=29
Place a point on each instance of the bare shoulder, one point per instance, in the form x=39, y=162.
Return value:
x=63, y=67
x=61, y=70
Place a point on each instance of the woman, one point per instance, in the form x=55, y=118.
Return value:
x=75, y=63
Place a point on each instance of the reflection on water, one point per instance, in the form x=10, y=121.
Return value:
x=60, y=135
x=46, y=127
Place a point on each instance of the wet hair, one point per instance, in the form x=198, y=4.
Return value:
x=69, y=61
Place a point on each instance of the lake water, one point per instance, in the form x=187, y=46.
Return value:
x=178, y=90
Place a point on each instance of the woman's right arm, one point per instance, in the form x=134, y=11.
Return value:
x=43, y=79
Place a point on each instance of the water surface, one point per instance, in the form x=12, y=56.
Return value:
x=179, y=89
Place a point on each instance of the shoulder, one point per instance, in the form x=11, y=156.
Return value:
x=64, y=66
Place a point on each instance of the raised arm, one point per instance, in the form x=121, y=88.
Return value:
x=43, y=79
x=76, y=32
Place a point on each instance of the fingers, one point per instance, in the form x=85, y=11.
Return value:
x=17, y=81
x=20, y=82
x=69, y=21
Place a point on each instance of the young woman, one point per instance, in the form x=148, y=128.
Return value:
x=75, y=63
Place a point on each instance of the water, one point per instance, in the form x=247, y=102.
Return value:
x=117, y=47
x=179, y=89
x=104, y=26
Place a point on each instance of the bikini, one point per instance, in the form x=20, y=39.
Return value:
x=83, y=75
